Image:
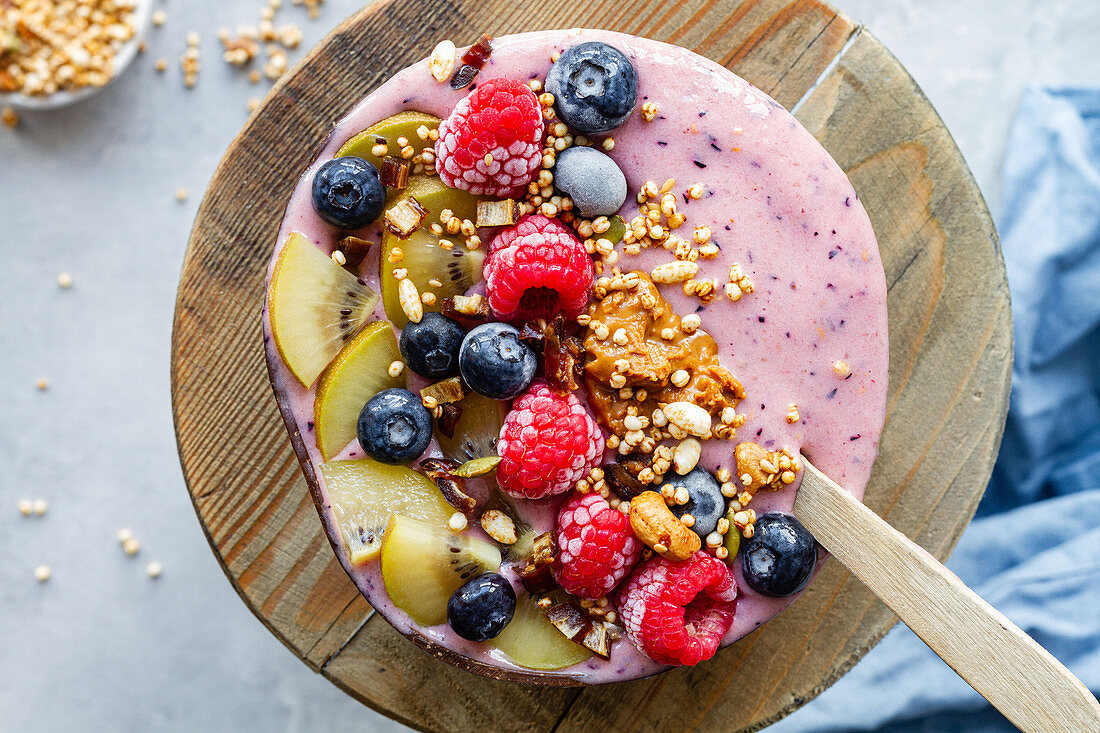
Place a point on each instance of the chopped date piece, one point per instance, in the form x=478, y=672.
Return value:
x=405, y=217
x=463, y=77
x=477, y=54
x=532, y=334
x=563, y=358
x=577, y=626
x=623, y=482
x=435, y=467
x=468, y=310
x=354, y=250
x=444, y=391
x=448, y=420
x=395, y=172
x=453, y=488
x=502, y=213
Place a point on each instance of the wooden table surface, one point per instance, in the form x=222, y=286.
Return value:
x=950, y=361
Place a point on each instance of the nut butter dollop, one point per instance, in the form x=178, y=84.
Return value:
x=645, y=343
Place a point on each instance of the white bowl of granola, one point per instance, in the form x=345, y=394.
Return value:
x=52, y=55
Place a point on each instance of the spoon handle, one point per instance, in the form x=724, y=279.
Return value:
x=1017, y=676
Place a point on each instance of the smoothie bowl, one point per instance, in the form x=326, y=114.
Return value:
x=550, y=321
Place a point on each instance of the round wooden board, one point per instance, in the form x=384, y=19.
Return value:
x=950, y=361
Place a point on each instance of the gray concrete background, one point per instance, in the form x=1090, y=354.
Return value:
x=91, y=192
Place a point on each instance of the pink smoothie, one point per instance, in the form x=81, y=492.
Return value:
x=776, y=203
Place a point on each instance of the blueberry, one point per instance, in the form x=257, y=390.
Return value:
x=779, y=557
x=594, y=87
x=430, y=348
x=592, y=179
x=394, y=427
x=495, y=363
x=348, y=193
x=481, y=608
x=706, y=504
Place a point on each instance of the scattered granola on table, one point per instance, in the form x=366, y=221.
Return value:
x=48, y=46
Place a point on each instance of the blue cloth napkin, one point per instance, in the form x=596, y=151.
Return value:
x=1034, y=549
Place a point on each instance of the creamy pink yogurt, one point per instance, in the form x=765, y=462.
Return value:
x=776, y=203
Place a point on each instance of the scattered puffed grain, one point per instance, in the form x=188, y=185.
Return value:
x=64, y=281
x=124, y=534
x=40, y=507
x=154, y=569
x=42, y=384
x=42, y=573
x=25, y=507
x=181, y=194
x=457, y=522
x=396, y=367
x=131, y=546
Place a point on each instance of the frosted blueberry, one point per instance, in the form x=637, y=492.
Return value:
x=592, y=180
x=595, y=87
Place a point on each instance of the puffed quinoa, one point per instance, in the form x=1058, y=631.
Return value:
x=442, y=61
x=499, y=526
x=457, y=522
x=674, y=272
x=841, y=369
x=696, y=191
x=688, y=417
x=395, y=369
x=649, y=111
x=410, y=301
x=9, y=118
x=690, y=323
x=42, y=573
x=709, y=251
x=686, y=455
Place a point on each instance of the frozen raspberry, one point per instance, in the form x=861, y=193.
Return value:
x=537, y=269
x=501, y=118
x=678, y=612
x=596, y=547
x=547, y=444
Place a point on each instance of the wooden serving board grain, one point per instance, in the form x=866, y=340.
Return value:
x=950, y=361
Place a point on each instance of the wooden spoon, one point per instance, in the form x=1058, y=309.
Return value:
x=1006, y=666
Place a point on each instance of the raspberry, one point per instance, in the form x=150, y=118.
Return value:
x=501, y=118
x=537, y=269
x=547, y=444
x=678, y=612
x=596, y=547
